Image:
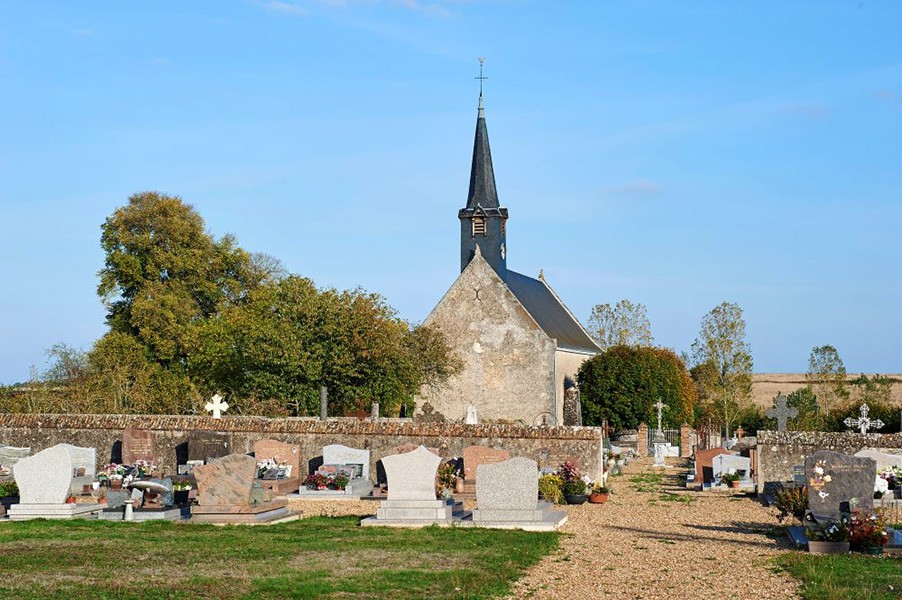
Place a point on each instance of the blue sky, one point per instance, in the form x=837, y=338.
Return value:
x=678, y=154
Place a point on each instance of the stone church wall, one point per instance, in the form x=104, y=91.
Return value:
x=549, y=446
x=508, y=359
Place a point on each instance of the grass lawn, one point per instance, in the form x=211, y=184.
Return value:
x=312, y=558
x=845, y=577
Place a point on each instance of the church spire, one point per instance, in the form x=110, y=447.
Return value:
x=482, y=175
x=483, y=220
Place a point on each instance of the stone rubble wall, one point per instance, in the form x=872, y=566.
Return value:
x=779, y=451
x=549, y=446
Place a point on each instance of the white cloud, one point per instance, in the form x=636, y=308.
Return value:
x=288, y=8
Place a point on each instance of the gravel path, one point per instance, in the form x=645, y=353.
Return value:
x=650, y=544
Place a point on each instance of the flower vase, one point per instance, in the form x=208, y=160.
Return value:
x=459, y=486
x=598, y=498
x=828, y=547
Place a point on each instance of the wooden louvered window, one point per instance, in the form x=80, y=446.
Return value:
x=478, y=226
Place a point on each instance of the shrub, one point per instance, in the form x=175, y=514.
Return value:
x=574, y=487
x=550, y=488
x=792, y=502
x=8, y=488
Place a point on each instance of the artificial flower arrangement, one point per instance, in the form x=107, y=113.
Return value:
x=448, y=474
x=892, y=476
x=319, y=481
x=867, y=530
x=271, y=463
x=836, y=531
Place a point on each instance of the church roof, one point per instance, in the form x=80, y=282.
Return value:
x=549, y=312
x=482, y=175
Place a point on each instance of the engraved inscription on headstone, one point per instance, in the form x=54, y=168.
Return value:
x=206, y=445
x=137, y=444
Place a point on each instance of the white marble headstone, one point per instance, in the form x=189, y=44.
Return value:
x=884, y=459
x=336, y=454
x=45, y=477
x=82, y=458
x=725, y=463
x=509, y=485
x=411, y=476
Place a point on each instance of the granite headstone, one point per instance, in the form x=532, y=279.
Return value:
x=137, y=444
x=281, y=452
x=336, y=454
x=838, y=483
x=45, y=477
x=207, y=445
x=226, y=481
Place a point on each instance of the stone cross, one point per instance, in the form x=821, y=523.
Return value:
x=471, y=415
x=217, y=406
x=660, y=406
x=740, y=432
x=863, y=422
x=781, y=412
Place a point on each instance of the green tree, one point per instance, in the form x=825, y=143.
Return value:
x=827, y=377
x=625, y=324
x=810, y=417
x=723, y=363
x=622, y=384
x=289, y=338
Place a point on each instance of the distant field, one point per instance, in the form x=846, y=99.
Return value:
x=765, y=386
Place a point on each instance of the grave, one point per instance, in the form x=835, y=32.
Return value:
x=227, y=494
x=137, y=444
x=838, y=483
x=44, y=481
x=9, y=456
x=207, y=445
x=733, y=463
x=151, y=501
x=479, y=455
x=411, y=493
x=704, y=464
x=507, y=497
x=884, y=460
x=280, y=480
x=354, y=462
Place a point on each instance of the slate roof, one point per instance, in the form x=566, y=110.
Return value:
x=549, y=312
x=482, y=176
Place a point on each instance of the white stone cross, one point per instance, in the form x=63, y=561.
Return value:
x=660, y=406
x=217, y=407
x=781, y=412
x=863, y=422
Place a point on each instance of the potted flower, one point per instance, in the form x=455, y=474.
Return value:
x=180, y=491
x=550, y=488
x=867, y=532
x=599, y=494
x=828, y=538
x=881, y=486
x=731, y=479
x=316, y=481
x=573, y=486
x=449, y=477
x=9, y=495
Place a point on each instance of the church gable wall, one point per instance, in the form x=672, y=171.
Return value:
x=508, y=370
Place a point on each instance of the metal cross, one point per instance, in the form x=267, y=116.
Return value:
x=660, y=406
x=217, y=407
x=481, y=78
x=863, y=422
x=781, y=412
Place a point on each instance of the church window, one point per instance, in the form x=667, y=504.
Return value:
x=478, y=226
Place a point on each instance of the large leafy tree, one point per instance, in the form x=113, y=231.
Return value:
x=723, y=363
x=623, y=383
x=289, y=338
x=624, y=324
x=827, y=378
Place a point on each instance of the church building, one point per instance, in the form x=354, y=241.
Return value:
x=520, y=345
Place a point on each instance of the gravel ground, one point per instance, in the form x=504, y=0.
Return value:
x=640, y=546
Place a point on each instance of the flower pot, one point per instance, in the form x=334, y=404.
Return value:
x=70, y=500
x=828, y=547
x=598, y=498
x=180, y=497
x=576, y=499
x=459, y=486
x=734, y=485
x=872, y=550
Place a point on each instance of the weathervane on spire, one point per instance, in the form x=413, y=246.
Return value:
x=481, y=78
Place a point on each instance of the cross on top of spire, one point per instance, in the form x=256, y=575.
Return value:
x=481, y=77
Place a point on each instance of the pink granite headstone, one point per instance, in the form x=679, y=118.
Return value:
x=137, y=444
x=225, y=481
x=281, y=452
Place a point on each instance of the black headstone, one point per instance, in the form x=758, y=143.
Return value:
x=207, y=445
x=838, y=483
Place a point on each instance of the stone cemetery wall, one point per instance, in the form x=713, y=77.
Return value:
x=779, y=451
x=549, y=446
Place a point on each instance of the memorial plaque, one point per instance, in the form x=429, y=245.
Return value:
x=207, y=445
x=137, y=444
